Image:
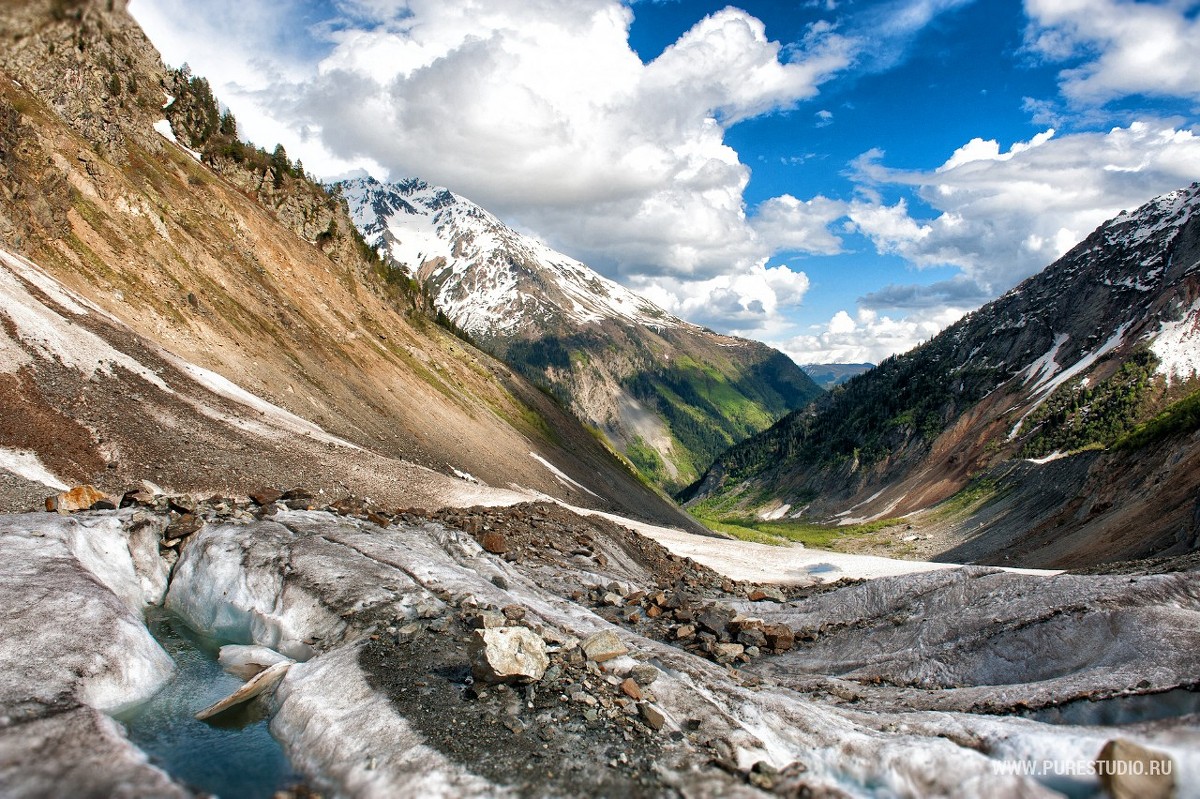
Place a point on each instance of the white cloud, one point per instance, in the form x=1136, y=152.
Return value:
x=1003, y=215
x=750, y=303
x=867, y=337
x=1127, y=47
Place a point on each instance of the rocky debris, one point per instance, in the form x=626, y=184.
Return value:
x=508, y=654
x=1130, y=771
x=182, y=526
x=78, y=498
x=604, y=645
x=494, y=542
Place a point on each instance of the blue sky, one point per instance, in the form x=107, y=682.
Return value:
x=839, y=178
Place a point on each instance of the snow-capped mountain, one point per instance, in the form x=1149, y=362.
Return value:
x=668, y=394
x=490, y=279
x=1052, y=393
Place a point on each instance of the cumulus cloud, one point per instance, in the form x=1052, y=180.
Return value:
x=749, y=302
x=867, y=337
x=542, y=112
x=1126, y=47
x=1001, y=215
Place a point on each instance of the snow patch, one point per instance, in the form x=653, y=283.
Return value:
x=1053, y=456
x=1177, y=346
x=26, y=464
x=777, y=513
x=232, y=391
x=562, y=478
x=163, y=128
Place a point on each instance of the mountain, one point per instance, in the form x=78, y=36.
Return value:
x=828, y=375
x=669, y=395
x=182, y=307
x=1067, y=408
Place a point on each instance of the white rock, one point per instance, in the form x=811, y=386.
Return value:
x=505, y=654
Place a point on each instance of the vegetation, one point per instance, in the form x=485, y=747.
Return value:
x=1179, y=419
x=787, y=531
x=1078, y=416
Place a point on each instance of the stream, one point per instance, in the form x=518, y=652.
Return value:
x=232, y=755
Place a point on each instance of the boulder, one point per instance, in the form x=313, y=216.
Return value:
x=494, y=542
x=779, y=636
x=508, y=654
x=767, y=593
x=185, y=525
x=604, y=645
x=265, y=496
x=78, y=498
x=1130, y=771
x=715, y=618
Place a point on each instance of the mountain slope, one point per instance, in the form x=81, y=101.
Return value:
x=667, y=394
x=178, y=260
x=1043, y=394
x=828, y=375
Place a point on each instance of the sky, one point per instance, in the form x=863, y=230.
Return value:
x=838, y=178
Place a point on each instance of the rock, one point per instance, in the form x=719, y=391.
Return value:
x=410, y=632
x=494, y=542
x=727, y=653
x=685, y=631
x=138, y=496
x=752, y=637
x=513, y=612
x=716, y=618
x=181, y=505
x=654, y=611
x=604, y=645
x=643, y=674
x=779, y=636
x=1130, y=771
x=508, y=654
x=185, y=525
x=630, y=688
x=263, y=681
x=486, y=620
x=78, y=498
x=653, y=717
x=265, y=496
x=769, y=593
x=612, y=599
x=378, y=519
x=103, y=504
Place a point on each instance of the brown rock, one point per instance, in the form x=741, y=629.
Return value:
x=630, y=688
x=78, y=498
x=779, y=636
x=653, y=611
x=138, y=496
x=378, y=519
x=653, y=717
x=767, y=593
x=513, y=612
x=1130, y=771
x=495, y=543
x=185, y=525
x=265, y=496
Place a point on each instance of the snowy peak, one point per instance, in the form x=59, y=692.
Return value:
x=488, y=278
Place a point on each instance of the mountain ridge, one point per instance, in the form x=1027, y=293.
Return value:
x=1060, y=368
x=667, y=394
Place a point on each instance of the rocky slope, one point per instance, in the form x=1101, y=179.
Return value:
x=667, y=394
x=211, y=321
x=1070, y=401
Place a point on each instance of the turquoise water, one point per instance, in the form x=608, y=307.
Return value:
x=233, y=755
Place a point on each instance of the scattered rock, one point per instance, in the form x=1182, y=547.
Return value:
x=494, y=542
x=653, y=717
x=768, y=593
x=508, y=654
x=604, y=645
x=78, y=498
x=727, y=653
x=513, y=612
x=643, y=674
x=631, y=689
x=185, y=525
x=779, y=637
x=1130, y=771
x=139, y=497
x=265, y=496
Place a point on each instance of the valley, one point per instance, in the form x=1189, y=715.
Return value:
x=397, y=484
